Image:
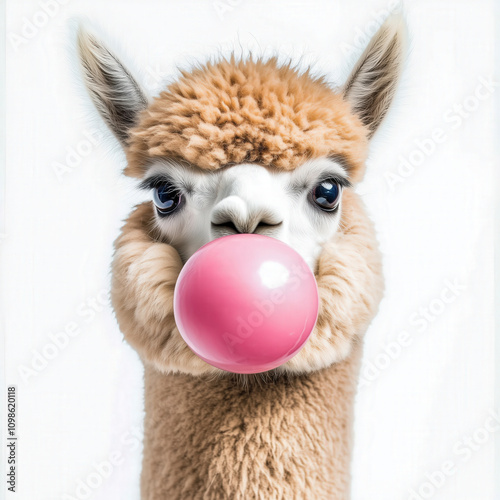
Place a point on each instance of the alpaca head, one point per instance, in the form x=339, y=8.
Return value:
x=246, y=146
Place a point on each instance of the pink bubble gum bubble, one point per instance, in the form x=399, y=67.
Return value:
x=246, y=303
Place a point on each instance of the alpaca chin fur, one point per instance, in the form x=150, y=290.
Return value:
x=145, y=271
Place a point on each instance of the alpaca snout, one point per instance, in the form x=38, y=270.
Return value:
x=236, y=215
x=251, y=203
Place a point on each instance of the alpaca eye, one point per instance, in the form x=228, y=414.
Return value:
x=327, y=195
x=166, y=198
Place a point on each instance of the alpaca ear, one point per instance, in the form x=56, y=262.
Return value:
x=116, y=95
x=373, y=80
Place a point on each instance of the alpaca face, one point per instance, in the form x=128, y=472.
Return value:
x=301, y=208
x=246, y=146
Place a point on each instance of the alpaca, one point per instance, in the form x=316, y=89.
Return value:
x=247, y=146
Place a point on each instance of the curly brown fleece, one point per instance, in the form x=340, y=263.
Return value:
x=255, y=111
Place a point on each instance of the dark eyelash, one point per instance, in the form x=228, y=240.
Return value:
x=154, y=182
x=341, y=181
x=158, y=180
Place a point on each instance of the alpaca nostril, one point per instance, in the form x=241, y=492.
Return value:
x=245, y=228
x=228, y=226
x=264, y=226
x=234, y=215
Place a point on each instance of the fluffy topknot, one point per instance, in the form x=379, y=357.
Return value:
x=249, y=110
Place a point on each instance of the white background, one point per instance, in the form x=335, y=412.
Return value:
x=414, y=413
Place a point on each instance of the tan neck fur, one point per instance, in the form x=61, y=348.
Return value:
x=216, y=439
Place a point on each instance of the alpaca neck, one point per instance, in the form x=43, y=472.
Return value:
x=216, y=439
